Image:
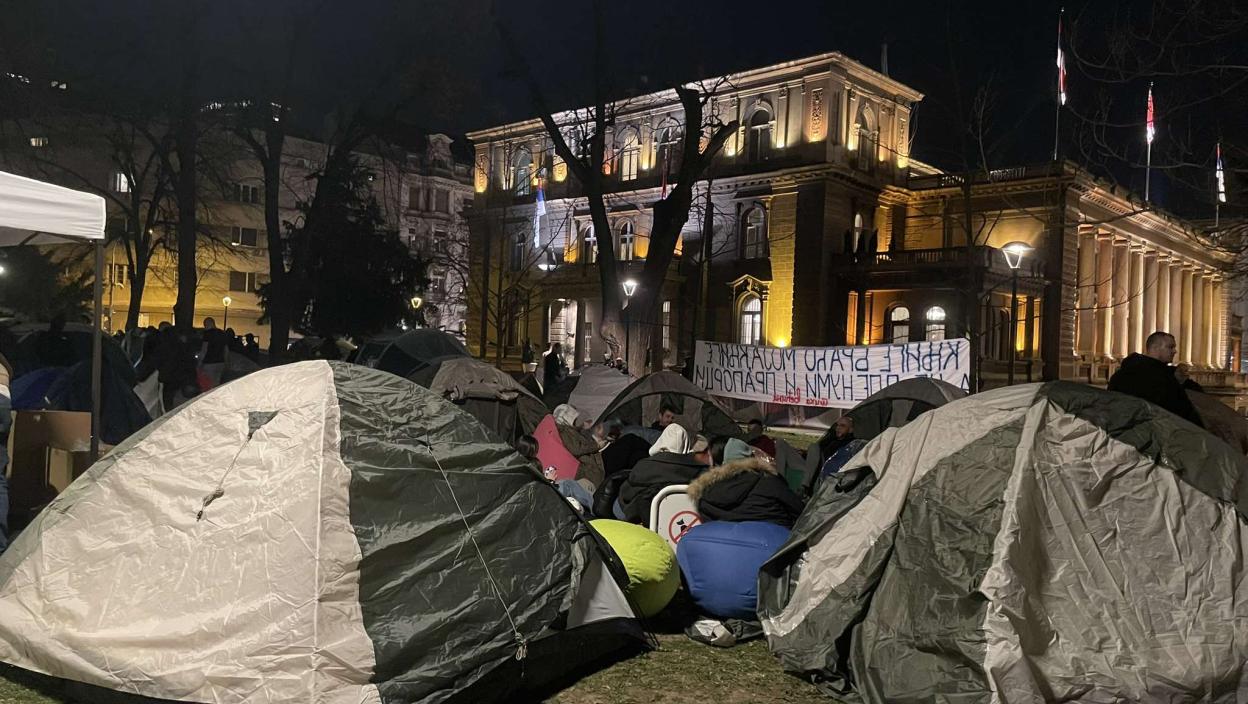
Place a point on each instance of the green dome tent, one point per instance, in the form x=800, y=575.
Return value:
x=492, y=396
x=315, y=532
x=639, y=404
x=1048, y=542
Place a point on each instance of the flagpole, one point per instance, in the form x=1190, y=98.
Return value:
x=1148, y=170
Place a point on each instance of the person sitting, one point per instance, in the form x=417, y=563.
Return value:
x=667, y=416
x=842, y=434
x=578, y=441
x=1150, y=377
x=745, y=487
x=674, y=459
x=756, y=436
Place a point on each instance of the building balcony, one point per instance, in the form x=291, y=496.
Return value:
x=1017, y=173
x=925, y=267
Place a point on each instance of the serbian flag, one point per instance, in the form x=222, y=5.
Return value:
x=1150, y=129
x=538, y=211
x=1061, y=63
x=1221, y=176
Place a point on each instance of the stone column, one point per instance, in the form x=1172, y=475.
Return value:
x=1175, y=326
x=1135, y=301
x=1104, y=294
x=1211, y=324
x=1185, y=316
x=1163, y=293
x=1199, y=351
x=1219, y=343
x=1085, y=294
x=1150, y=294
x=1122, y=292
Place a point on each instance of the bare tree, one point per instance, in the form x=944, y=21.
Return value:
x=586, y=161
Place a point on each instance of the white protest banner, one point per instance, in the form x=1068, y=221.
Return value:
x=832, y=377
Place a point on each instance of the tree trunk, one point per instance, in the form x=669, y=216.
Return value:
x=280, y=313
x=138, y=281
x=186, y=142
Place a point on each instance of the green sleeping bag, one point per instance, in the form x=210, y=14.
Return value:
x=653, y=575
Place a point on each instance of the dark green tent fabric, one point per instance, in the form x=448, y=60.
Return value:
x=639, y=404
x=1047, y=542
x=492, y=396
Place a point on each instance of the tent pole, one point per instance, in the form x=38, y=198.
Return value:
x=97, y=351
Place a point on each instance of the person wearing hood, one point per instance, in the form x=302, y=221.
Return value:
x=675, y=459
x=746, y=487
x=1149, y=376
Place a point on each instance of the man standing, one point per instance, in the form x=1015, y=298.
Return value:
x=1149, y=376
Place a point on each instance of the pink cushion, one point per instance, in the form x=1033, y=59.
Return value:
x=552, y=453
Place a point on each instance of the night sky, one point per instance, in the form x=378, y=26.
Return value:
x=460, y=78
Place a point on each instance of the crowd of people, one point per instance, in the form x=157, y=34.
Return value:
x=623, y=468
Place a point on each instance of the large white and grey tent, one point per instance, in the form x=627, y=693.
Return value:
x=316, y=532
x=1048, y=542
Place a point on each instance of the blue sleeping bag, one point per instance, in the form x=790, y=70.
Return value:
x=720, y=561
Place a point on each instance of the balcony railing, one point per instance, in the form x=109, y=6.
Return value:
x=986, y=257
x=1016, y=173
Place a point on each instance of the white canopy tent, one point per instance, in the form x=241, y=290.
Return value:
x=34, y=212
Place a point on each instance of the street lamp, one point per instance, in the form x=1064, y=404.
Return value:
x=1014, y=253
x=225, y=320
x=630, y=287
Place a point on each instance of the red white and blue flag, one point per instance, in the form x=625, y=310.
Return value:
x=1221, y=176
x=538, y=211
x=1061, y=63
x=1150, y=127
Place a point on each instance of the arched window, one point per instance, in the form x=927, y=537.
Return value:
x=667, y=148
x=522, y=172
x=754, y=233
x=630, y=155
x=751, y=326
x=758, y=137
x=868, y=136
x=589, y=243
x=899, y=325
x=628, y=237
x=935, y=318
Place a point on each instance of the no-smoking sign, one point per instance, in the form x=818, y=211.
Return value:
x=680, y=524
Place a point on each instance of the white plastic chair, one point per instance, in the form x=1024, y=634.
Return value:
x=672, y=513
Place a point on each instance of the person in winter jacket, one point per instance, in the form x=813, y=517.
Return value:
x=1149, y=376
x=674, y=459
x=745, y=487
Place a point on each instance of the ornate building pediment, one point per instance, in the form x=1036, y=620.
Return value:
x=749, y=284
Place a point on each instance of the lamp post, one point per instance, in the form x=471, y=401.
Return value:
x=225, y=319
x=630, y=287
x=1014, y=253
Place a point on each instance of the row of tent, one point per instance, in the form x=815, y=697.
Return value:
x=329, y=532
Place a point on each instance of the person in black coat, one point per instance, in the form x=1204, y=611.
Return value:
x=674, y=459
x=1149, y=376
x=745, y=488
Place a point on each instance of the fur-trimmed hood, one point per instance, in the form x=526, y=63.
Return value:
x=728, y=470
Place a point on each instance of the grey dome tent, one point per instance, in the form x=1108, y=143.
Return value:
x=1047, y=542
x=892, y=407
x=415, y=349
x=315, y=532
x=492, y=396
x=639, y=404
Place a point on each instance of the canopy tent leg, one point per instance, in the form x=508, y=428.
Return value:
x=97, y=351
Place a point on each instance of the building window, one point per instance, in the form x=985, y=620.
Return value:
x=628, y=237
x=522, y=172
x=758, y=137
x=667, y=327
x=899, y=325
x=244, y=193
x=244, y=236
x=442, y=201
x=587, y=337
x=243, y=281
x=751, y=320
x=121, y=182
x=38, y=141
x=415, y=198
x=754, y=233
x=517, y=252
x=667, y=149
x=589, y=243
x=117, y=274
x=935, y=323
x=630, y=156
